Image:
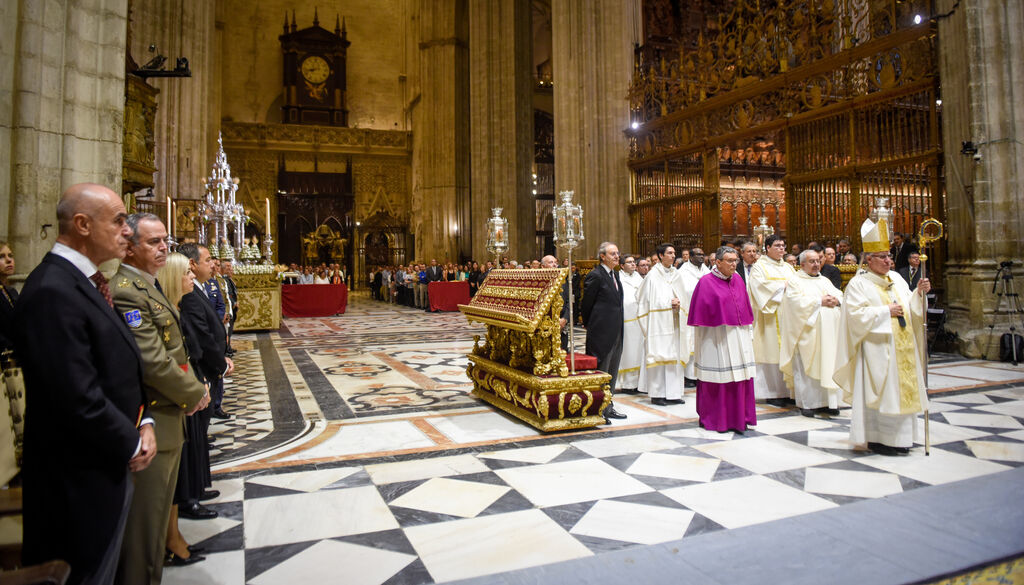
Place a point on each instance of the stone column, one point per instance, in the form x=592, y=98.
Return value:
x=501, y=113
x=981, y=65
x=440, y=118
x=61, y=111
x=186, y=124
x=592, y=66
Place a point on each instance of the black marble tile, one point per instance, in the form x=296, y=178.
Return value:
x=357, y=479
x=230, y=510
x=602, y=545
x=961, y=447
x=1000, y=399
x=848, y=465
x=727, y=470
x=415, y=573
x=331, y=403
x=488, y=477
x=391, y=491
x=799, y=437
x=512, y=501
x=622, y=462
x=568, y=515
x=662, y=483
x=231, y=539
x=652, y=499
x=258, y=490
x=840, y=500
x=570, y=454
x=407, y=517
x=392, y=540
x=911, y=484
x=260, y=560
x=794, y=478
x=702, y=525
x=497, y=464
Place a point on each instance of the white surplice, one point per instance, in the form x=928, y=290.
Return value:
x=766, y=285
x=668, y=339
x=809, y=336
x=632, y=335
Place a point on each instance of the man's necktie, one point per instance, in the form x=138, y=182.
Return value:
x=156, y=283
x=101, y=285
x=614, y=282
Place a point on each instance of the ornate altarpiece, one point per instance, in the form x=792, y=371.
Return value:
x=834, y=100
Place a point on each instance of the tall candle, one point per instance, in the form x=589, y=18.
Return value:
x=169, y=213
x=174, y=214
x=267, y=201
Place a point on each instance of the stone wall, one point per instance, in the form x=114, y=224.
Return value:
x=61, y=111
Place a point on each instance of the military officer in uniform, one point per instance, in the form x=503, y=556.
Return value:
x=171, y=393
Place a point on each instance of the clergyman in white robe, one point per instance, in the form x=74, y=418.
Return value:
x=766, y=285
x=662, y=317
x=632, y=335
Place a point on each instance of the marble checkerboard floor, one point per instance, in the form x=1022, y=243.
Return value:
x=357, y=456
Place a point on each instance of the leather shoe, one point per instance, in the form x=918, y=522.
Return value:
x=675, y=401
x=610, y=412
x=808, y=412
x=832, y=411
x=659, y=402
x=196, y=548
x=173, y=560
x=780, y=402
x=627, y=391
x=689, y=383
x=196, y=511
x=209, y=495
x=883, y=449
x=219, y=413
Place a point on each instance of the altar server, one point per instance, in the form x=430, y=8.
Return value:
x=663, y=303
x=767, y=284
x=809, y=321
x=880, y=359
x=632, y=336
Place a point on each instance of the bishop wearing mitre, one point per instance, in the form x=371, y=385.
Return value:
x=880, y=356
x=808, y=325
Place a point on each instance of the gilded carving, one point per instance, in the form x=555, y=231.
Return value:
x=258, y=308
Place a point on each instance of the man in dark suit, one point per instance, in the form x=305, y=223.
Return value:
x=86, y=424
x=227, y=271
x=208, y=329
x=748, y=256
x=216, y=297
x=601, y=309
x=171, y=393
x=901, y=250
x=434, y=274
x=912, y=271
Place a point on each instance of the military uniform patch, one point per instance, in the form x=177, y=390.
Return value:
x=133, y=318
x=123, y=283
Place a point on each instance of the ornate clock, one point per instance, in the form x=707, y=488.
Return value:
x=314, y=74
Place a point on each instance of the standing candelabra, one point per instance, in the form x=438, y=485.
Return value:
x=497, y=235
x=221, y=209
x=762, y=231
x=568, y=234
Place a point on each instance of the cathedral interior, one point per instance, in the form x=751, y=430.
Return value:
x=384, y=132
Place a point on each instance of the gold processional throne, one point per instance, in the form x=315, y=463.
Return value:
x=521, y=367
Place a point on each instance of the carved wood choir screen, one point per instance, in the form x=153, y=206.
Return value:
x=800, y=111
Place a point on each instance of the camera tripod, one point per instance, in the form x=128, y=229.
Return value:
x=1003, y=282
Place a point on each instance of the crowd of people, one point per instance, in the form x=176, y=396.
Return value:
x=123, y=371
x=742, y=326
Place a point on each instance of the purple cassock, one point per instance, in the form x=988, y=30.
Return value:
x=721, y=316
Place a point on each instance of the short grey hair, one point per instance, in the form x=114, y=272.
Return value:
x=803, y=256
x=748, y=243
x=603, y=248
x=723, y=250
x=133, y=222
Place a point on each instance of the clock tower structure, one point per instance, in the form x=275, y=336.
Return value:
x=314, y=74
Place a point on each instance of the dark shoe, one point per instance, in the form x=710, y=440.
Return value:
x=627, y=391
x=881, y=449
x=196, y=549
x=808, y=412
x=780, y=402
x=659, y=402
x=173, y=560
x=196, y=511
x=675, y=401
x=831, y=411
x=610, y=412
x=902, y=450
x=209, y=495
x=789, y=401
x=689, y=383
x=219, y=413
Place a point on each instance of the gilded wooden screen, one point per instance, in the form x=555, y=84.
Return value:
x=796, y=110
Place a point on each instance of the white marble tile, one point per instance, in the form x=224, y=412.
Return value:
x=196, y=531
x=1018, y=435
x=830, y=440
x=767, y=454
x=341, y=563
x=454, y=497
x=631, y=522
x=613, y=446
x=991, y=421
x=367, y=438
x=746, y=500
x=941, y=432
x=982, y=374
x=791, y=424
x=485, y=426
x=972, y=398
x=635, y=415
x=842, y=482
x=1012, y=408
x=944, y=406
x=1004, y=366
x=305, y=481
x=1015, y=393
x=998, y=450
x=675, y=466
x=541, y=454
x=686, y=410
x=567, y=482
x=224, y=568
x=462, y=549
x=415, y=469
x=940, y=382
x=699, y=433
x=315, y=516
x=940, y=467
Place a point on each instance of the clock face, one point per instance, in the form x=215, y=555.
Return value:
x=315, y=69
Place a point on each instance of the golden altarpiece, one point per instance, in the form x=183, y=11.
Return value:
x=521, y=368
x=797, y=110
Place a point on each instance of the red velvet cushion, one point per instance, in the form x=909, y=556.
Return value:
x=583, y=362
